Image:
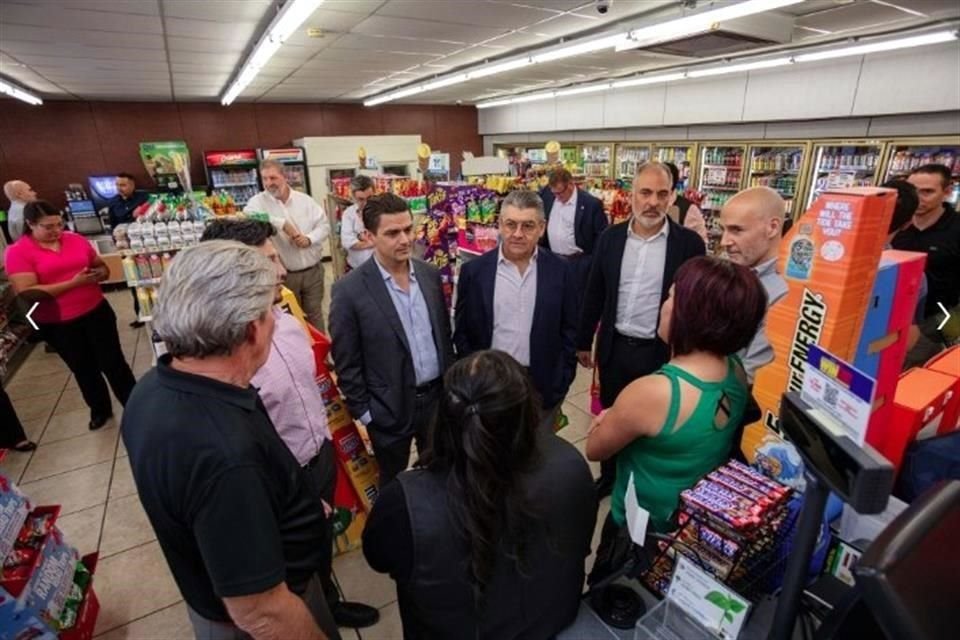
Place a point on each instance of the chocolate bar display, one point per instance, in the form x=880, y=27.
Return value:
x=730, y=525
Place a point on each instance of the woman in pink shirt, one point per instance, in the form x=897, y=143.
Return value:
x=61, y=271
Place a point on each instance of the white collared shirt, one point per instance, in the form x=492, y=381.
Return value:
x=514, y=300
x=641, y=283
x=351, y=227
x=308, y=216
x=560, y=227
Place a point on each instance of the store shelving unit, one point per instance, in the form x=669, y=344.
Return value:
x=682, y=154
x=841, y=164
x=336, y=205
x=13, y=335
x=720, y=177
x=780, y=166
x=629, y=157
x=597, y=160
x=905, y=155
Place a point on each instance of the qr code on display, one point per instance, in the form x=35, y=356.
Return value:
x=831, y=395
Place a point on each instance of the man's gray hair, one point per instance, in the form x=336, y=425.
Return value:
x=523, y=199
x=360, y=183
x=271, y=164
x=210, y=295
x=655, y=165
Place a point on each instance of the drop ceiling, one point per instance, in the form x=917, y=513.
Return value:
x=188, y=50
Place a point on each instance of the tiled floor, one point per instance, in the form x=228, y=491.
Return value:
x=88, y=474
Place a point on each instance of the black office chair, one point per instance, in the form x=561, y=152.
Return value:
x=910, y=575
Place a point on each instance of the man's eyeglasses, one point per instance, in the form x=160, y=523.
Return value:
x=511, y=226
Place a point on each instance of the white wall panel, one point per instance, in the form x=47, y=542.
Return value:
x=498, y=120
x=579, y=112
x=537, y=116
x=931, y=124
x=810, y=90
x=726, y=131
x=922, y=79
x=846, y=128
x=635, y=107
x=713, y=100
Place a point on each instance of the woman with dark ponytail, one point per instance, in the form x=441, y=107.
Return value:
x=488, y=539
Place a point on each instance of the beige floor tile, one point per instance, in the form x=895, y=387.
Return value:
x=82, y=528
x=122, y=484
x=34, y=428
x=73, y=491
x=70, y=424
x=67, y=455
x=41, y=367
x=582, y=401
x=23, y=387
x=582, y=381
x=171, y=623
x=125, y=526
x=71, y=399
x=121, y=449
x=388, y=628
x=360, y=583
x=579, y=423
x=14, y=463
x=37, y=407
x=594, y=466
x=133, y=584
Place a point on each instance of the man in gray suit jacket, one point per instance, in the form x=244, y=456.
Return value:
x=391, y=337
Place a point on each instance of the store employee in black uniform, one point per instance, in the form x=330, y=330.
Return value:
x=935, y=230
x=239, y=521
x=121, y=208
x=630, y=279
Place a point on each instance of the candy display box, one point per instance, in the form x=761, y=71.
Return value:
x=948, y=363
x=918, y=410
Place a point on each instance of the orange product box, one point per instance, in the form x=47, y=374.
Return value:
x=918, y=410
x=829, y=260
x=948, y=363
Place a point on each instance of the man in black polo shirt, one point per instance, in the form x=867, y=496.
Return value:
x=237, y=517
x=935, y=230
x=121, y=208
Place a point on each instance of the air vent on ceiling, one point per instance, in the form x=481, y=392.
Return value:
x=730, y=37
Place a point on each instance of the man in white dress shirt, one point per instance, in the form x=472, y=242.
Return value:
x=302, y=228
x=353, y=236
x=19, y=193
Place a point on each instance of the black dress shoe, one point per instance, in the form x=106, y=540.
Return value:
x=98, y=421
x=25, y=447
x=354, y=615
x=604, y=487
x=136, y=324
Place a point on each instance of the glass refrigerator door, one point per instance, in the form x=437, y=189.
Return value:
x=778, y=168
x=629, y=157
x=842, y=166
x=571, y=158
x=721, y=172
x=904, y=158
x=680, y=155
x=597, y=160
x=296, y=175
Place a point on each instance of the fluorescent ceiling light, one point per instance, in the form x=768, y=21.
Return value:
x=747, y=65
x=698, y=23
x=618, y=41
x=638, y=82
x=737, y=68
x=14, y=91
x=874, y=47
x=288, y=19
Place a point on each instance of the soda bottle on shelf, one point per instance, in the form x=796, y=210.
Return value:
x=129, y=269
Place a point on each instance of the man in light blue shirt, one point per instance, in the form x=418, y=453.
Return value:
x=391, y=337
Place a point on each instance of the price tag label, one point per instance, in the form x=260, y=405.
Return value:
x=717, y=608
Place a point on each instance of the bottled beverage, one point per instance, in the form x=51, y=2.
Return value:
x=165, y=261
x=146, y=306
x=156, y=266
x=129, y=269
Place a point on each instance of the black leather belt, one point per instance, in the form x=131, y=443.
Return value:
x=634, y=342
x=315, y=459
x=302, y=270
x=427, y=387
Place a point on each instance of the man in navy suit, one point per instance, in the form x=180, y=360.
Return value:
x=575, y=220
x=630, y=279
x=522, y=299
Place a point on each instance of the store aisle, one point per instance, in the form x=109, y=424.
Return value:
x=88, y=474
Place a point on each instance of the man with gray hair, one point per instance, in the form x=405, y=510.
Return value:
x=522, y=299
x=237, y=518
x=751, y=222
x=353, y=237
x=302, y=228
x=19, y=193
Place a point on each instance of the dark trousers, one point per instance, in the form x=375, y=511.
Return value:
x=90, y=346
x=323, y=473
x=631, y=359
x=393, y=453
x=136, y=304
x=11, y=430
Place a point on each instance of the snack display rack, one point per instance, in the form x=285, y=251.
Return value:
x=46, y=588
x=13, y=335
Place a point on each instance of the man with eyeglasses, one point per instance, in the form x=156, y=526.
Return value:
x=522, y=299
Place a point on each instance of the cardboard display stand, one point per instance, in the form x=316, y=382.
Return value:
x=829, y=260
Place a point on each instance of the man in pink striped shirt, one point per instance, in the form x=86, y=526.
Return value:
x=287, y=386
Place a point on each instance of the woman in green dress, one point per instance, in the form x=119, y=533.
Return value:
x=671, y=428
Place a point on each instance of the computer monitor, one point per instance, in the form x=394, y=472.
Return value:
x=103, y=188
x=910, y=575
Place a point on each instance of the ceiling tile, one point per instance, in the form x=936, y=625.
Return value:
x=377, y=25
x=68, y=17
x=329, y=21
x=365, y=7
x=71, y=36
x=481, y=14
x=395, y=45
x=41, y=63
x=63, y=50
x=202, y=45
x=140, y=7
x=217, y=10
x=234, y=31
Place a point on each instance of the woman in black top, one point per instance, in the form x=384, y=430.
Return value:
x=489, y=539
